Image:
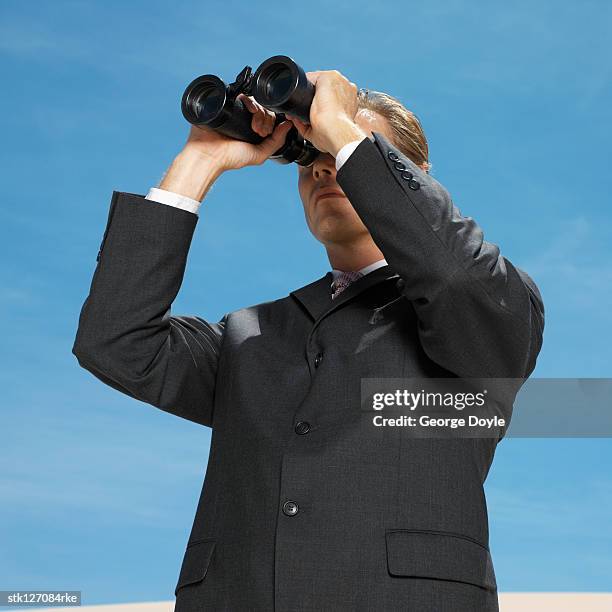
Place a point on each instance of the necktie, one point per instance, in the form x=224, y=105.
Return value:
x=343, y=281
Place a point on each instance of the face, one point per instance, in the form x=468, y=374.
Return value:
x=329, y=214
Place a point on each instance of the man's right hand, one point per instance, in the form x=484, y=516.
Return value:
x=207, y=154
x=231, y=154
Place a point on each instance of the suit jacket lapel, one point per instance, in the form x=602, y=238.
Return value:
x=316, y=296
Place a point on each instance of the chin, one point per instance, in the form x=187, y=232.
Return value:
x=337, y=229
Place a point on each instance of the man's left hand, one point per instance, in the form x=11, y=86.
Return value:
x=332, y=112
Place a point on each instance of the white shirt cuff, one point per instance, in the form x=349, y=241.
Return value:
x=173, y=199
x=345, y=152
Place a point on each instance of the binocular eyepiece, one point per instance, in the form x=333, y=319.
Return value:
x=278, y=84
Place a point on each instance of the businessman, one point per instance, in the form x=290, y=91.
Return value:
x=303, y=508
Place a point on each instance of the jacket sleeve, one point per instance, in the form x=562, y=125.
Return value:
x=126, y=335
x=478, y=315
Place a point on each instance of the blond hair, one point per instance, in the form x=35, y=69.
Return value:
x=406, y=131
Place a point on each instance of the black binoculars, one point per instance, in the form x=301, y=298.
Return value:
x=279, y=85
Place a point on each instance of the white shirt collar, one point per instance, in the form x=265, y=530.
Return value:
x=365, y=270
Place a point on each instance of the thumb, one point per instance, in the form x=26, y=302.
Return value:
x=274, y=141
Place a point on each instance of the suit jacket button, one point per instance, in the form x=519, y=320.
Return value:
x=399, y=166
x=407, y=175
x=413, y=184
x=290, y=508
x=392, y=156
x=302, y=427
x=318, y=359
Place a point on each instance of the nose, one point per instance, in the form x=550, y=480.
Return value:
x=324, y=167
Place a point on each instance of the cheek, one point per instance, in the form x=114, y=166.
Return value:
x=303, y=184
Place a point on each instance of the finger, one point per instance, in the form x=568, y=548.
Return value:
x=250, y=104
x=269, y=123
x=256, y=105
x=313, y=76
x=262, y=110
x=273, y=142
x=244, y=99
x=258, y=123
x=255, y=124
x=266, y=120
x=293, y=121
x=301, y=127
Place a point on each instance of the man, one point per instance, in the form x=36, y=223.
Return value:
x=303, y=507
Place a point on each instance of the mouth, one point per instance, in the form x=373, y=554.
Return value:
x=333, y=194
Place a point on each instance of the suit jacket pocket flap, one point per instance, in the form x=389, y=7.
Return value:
x=195, y=562
x=441, y=555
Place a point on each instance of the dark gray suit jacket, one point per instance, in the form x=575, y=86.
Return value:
x=300, y=510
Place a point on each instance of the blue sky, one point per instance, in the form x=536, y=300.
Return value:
x=98, y=491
